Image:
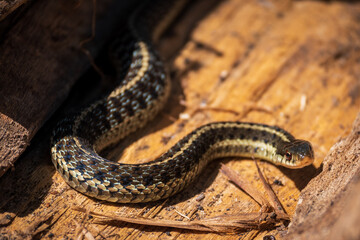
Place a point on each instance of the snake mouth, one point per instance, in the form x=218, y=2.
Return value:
x=305, y=161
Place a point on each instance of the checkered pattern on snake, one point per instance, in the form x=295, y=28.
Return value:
x=143, y=91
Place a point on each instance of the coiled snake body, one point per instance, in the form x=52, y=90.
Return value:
x=140, y=96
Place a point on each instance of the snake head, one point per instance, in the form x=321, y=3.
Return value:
x=298, y=154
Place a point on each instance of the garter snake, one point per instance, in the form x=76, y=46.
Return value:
x=143, y=90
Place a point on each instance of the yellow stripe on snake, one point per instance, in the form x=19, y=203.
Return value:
x=143, y=90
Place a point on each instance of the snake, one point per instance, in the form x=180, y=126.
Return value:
x=142, y=90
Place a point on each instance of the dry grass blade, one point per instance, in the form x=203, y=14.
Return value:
x=219, y=224
x=274, y=200
x=246, y=187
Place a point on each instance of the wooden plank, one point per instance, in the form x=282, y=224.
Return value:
x=245, y=56
x=41, y=57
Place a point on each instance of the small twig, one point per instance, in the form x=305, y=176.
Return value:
x=246, y=187
x=168, y=116
x=273, y=198
x=181, y=214
x=93, y=26
x=216, y=109
x=83, y=42
x=247, y=107
x=223, y=223
x=92, y=62
x=253, y=106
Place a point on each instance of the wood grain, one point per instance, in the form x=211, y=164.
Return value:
x=274, y=62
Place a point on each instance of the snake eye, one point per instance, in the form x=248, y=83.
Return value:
x=288, y=156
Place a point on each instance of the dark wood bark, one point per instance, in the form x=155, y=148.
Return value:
x=41, y=57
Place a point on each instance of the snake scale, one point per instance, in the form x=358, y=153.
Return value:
x=143, y=89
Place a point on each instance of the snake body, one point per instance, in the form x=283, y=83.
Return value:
x=143, y=90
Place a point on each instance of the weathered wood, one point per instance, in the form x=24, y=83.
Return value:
x=13, y=140
x=283, y=57
x=7, y=7
x=41, y=57
x=329, y=207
